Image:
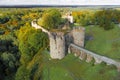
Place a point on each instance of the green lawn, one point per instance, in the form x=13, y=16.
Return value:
x=72, y=68
x=106, y=43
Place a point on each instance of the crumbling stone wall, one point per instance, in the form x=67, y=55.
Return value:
x=89, y=56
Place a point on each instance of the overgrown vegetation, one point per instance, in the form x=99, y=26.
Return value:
x=30, y=41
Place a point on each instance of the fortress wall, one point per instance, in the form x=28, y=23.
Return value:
x=90, y=55
x=57, y=45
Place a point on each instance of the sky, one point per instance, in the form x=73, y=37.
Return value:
x=59, y=2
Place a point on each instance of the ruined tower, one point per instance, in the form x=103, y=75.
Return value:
x=57, y=45
x=78, y=35
x=60, y=40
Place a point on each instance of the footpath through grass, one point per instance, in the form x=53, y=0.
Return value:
x=105, y=43
x=72, y=68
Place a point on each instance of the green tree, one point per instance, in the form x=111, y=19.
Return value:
x=30, y=41
x=104, y=19
x=8, y=59
x=83, y=18
x=51, y=19
x=33, y=70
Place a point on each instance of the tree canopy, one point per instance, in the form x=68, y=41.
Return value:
x=105, y=18
x=51, y=19
x=30, y=41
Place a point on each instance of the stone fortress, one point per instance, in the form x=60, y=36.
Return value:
x=60, y=41
x=72, y=41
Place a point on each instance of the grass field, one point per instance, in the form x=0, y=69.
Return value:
x=106, y=43
x=72, y=68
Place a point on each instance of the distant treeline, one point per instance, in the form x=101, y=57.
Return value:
x=105, y=18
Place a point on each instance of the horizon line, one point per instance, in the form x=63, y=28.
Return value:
x=32, y=5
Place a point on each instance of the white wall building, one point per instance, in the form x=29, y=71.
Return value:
x=69, y=17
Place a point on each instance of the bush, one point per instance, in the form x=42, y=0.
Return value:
x=104, y=19
x=22, y=73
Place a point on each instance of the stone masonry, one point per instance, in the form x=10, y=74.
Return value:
x=57, y=45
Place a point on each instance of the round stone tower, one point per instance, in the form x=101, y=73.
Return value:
x=57, y=45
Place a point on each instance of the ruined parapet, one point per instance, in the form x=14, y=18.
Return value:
x=78, y=35
x=57, y=45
